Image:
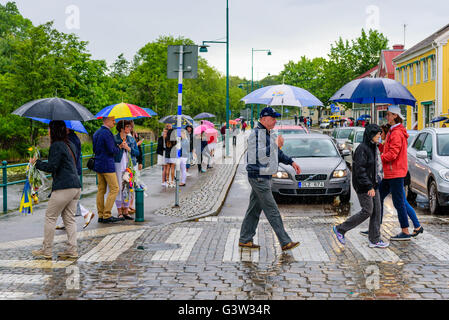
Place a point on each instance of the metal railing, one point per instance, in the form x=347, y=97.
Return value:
x=151, y=147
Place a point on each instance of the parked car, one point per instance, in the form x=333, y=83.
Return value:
x=354, y=140
x=340, y=135
x=428, y=167
x=289, y=129
x=325, y=124
x=411, y=136
x=323, y=170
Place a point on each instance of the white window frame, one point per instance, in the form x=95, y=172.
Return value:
x=410, y=73
x=405, y=76
x=418, y=72
x=425, y=70
x=433, y=68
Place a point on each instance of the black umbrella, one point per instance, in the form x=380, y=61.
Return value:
x=54, y=109
x=204, y=115
x=173, y=119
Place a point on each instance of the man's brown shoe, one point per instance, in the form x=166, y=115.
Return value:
x=67, y=255
x=290, y=245
x=249, y=245
x=40, y=254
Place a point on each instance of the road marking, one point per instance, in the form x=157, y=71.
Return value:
x=35, y=264
x=310, y=248
x=186, y=238
x=7, y=278
x=239, y=219
x=433, y=245
x=233, y=253
x=61, y=238
x=111, y=247
x=361, y=243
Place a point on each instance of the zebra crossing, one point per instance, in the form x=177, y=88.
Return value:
x=311, y=247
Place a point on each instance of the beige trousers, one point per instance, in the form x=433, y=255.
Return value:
x=62, y=202
x=106, y=180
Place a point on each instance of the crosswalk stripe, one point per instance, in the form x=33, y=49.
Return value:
x=310, y=248
x=233, y=253
x=111, y=247
x=186, y=238
x=7, y=278
x=361, y=242
x=433, y=245
x=35, y=264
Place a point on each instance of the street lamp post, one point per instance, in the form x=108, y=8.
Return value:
x=252, y=77
x=203, y=48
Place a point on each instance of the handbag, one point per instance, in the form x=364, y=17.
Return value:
x=91, y=163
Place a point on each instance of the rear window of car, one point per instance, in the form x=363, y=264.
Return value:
x=443, y=144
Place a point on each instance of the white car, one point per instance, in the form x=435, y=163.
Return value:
x=353, y=141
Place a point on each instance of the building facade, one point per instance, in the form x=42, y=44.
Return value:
x=424, y=70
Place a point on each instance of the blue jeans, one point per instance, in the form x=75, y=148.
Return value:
x=396, y=188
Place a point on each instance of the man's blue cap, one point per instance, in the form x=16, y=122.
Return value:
x=269, y=112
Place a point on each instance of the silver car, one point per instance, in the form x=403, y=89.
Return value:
x=340, y=135
x=323, y=170
x=353, y=141
x=428, y=165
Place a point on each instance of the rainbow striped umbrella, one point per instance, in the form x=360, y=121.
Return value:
x=122, y=111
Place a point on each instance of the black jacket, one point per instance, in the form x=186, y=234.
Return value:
x=365, y=162
x=62, y=166
x=160, y=146
x=73, y=138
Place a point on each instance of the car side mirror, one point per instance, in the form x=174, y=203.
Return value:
x=345, y=153
x=421, y=155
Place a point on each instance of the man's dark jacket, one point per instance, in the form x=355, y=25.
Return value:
x=104, y=148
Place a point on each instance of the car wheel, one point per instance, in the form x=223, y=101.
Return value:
x=434, y=206
x=345, y=198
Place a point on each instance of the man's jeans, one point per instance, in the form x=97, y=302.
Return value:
x=370, y=209
x=262, y=199
x=396, y=188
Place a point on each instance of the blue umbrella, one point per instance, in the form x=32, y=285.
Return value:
x=438, y=119
x=282, y=95
x=70, y=124
x=364, y=117
x=374, y=90
x=204, y=115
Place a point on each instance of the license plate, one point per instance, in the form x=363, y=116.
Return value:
x=311, y=184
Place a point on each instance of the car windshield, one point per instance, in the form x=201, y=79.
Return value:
x=343, y=134
x=443, y=144
x=291, y=131
x=359, y=137
x=411, y=136
x=309, y=148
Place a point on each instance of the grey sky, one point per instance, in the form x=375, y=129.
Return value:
x=290, y=28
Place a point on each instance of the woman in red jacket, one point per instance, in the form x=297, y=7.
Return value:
x=395, y=166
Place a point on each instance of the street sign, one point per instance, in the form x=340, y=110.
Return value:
x=190, y=62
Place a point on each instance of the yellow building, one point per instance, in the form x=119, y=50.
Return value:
x=424, y=70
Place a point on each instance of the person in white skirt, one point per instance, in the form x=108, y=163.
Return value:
x=185, y=153
x=161, y=156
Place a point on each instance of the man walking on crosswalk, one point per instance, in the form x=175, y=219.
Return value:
x=263, y=158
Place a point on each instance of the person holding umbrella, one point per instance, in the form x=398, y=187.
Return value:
x=128, y=150
x=66, y=191
x=263, y=158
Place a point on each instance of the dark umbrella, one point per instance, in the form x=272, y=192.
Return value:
x=438, y=119
x=204, y=115
x=173, y=119
x=54, y=109
x=374, y=90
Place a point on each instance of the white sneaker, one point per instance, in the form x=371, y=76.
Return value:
x=164, y=184
x=188, y=174
x=88, y=218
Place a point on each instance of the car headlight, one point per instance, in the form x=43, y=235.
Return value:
x=339, y=174
x=444, y=174
x=342, y=145
x=281, y=175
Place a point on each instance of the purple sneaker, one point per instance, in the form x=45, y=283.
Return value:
x=340, y=237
